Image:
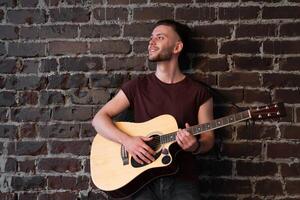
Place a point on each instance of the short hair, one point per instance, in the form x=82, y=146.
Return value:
x=183, y=32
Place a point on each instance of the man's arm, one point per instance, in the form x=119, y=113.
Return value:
x=104, y=125
x=188, y=142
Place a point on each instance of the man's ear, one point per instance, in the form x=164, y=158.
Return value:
x=178, y=47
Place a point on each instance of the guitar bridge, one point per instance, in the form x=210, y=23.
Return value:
x=124, y=155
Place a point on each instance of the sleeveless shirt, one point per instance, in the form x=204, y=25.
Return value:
x=149, y=97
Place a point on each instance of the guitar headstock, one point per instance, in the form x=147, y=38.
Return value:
x=268, y=112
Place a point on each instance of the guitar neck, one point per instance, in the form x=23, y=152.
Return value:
x=214, y=124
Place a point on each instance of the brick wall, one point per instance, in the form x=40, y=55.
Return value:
x=60, y=60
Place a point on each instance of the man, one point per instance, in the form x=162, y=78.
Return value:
x=167, y=91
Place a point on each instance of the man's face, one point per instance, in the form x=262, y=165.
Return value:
x=162, y=43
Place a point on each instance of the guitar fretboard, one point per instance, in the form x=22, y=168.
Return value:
x=215, y=124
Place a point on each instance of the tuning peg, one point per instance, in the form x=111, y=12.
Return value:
x=259, y=116
x=275, y=105
x=278, y=113
x=269, y=115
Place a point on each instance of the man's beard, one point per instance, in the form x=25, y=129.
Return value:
x=164, y=55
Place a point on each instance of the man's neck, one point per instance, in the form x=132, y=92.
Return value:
x=169, y=72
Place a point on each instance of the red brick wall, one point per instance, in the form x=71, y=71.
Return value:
x=60, y=60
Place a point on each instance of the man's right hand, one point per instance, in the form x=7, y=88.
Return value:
x=139, y=150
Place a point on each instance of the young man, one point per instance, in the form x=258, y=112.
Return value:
x=167, y=91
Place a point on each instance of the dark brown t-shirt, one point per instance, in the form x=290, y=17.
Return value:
x=149, y=97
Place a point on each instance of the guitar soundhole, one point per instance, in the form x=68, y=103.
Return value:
x=155, y=145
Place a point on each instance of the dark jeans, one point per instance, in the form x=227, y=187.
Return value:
x=169, y=188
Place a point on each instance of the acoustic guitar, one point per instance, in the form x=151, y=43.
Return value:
x=115, y=172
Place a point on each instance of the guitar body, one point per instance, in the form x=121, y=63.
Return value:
x=117, y=173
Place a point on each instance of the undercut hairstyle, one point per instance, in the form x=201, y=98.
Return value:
x=183, y=32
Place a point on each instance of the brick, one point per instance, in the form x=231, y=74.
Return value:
x=8, y=3
x=7, y=98
x=256, y=132
x=28, y=130
x=9, y=32
x=242, y=150
x=28, y=98
x=27, y=166
x=290, y=29
x=30, y=114
x=79, y=148
x=252, y=63
x=282, y=12
x=29, y=67
x=99, y=14
x=209, y=64
x=289, y=63
x=1, y=14
x=204, y=46
x=91, y=96
x=238, y=13
x=60, y=165
x=48, y=65
x=111, y=47
x=229, y=186
x=253, y=96
x=26, y=49
x=289, y=131
x=118, y=14
x=1, y=147
x=85, y=64
x=140, y=47
x=292, y=187
x=215, y=30
x=67, y=47
x=25, y=82
x=58, y=196
x=87, y=130
x=239, y=79
x=75, y=14
x=138, y=30
x=2, y=48
x=52, y=98
x=150, y=13
x=207, y=79
x=67, y=81
x=232, y=95
x=124, y=2
x=58, y=130
x=11, y=165
x=287, y=95
x=4, y=114
x=28, y=196
x=71, y=183
x=29, y=148
x=99, y=31
x=32, y=32
x=246, y=168
x=28, y=183
x=202, y=14
x=2, y=82
x=125, y=63
x=214, y=167
x=297, y=114
x=29, y=3
x=290, y=170
x=27, y=16
x=283, y=150
x=268, y=187
x=281, y=80
x=240, y=46
x=52, y=2
x=72, y=113
x=281, y=47
x=8, y=131
x=59, y=31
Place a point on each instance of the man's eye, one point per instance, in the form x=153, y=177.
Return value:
x=161, y=38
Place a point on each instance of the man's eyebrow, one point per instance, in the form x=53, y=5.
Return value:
x=159, y=34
